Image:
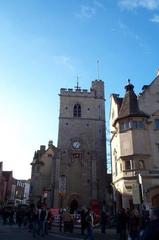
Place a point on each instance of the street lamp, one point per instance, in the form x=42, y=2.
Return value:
x=140, y=187
x=61, y=195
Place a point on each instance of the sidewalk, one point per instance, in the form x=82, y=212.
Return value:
x=109, y=235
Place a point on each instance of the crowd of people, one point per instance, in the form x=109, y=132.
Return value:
x=39, y=219
x=36, y=219
x=87, y=221
x=130, y=224
x=138, y=225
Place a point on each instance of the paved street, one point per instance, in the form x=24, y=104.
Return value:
x=13, y=232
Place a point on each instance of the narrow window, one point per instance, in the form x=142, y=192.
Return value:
x=134, y=124
x=121, y=168
x=77, y=110
x=37, y=168
x=116, y=168
x=122, y=127
x=141, y=164
x=156, y=123
x=140, y=124
x=127, y=165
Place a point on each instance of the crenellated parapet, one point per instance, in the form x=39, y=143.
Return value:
x=96, y=90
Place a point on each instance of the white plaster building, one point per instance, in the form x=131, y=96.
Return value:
x=134, y=126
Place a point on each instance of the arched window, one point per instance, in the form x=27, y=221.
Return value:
x=77, y=110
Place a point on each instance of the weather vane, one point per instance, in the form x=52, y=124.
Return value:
x=97, y=69
x=77, y=86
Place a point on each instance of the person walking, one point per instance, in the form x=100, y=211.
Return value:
x=68, y=221
x=42, y=214
x=151, y=231
x=90, y=224
x=103, y=222
x=19, y=216
x=34, y=221
x=121, y=222
x=134, y=225
x=83, y=221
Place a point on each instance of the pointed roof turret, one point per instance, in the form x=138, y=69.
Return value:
x=129, y=106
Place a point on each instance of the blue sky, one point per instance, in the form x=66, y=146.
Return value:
x=45, y=44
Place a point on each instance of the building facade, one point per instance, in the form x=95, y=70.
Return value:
x=134, y=126
x=82, y=144
x=43, y=182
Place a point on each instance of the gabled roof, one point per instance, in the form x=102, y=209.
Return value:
x=146, y=87
x=118, y=100
x=38, y=155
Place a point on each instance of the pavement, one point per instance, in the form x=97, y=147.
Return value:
x=109, y=235
x=12, y=231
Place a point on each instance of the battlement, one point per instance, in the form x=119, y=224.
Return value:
x=77, y=92
x=96, y=90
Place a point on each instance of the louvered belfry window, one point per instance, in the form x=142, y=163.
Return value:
x=77, y=110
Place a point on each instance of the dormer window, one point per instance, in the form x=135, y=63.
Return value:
x=77, y=110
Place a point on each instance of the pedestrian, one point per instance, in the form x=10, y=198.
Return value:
x=90, y=224
x=151, y=231
x=34, y=221
x=68, y=221
x=121, y=222
x=83, y=221
x=11, y=215
x=103, y=221
x=145, y=219
x=42, y=215
x=4, y=215
x=19, y=216
x=134, y=225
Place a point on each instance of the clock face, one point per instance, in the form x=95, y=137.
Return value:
x=76, y=145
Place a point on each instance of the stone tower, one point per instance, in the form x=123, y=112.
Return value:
x=82, y=144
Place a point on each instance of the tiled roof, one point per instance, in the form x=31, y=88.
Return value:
x=129, y=106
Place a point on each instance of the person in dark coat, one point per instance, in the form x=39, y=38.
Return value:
x=83, y=221
x=151, y=232
x=134, y=224
x=121, y=220
x=103, y=222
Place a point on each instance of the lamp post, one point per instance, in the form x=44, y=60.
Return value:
x=140, y=187
x=62, y=191
x=61, y=195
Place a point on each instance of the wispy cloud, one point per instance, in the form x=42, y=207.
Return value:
x=89, y=11
x=86, y=12
x=132, y=4
x=155, y=18
x=63, y=60
x=98, y=4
